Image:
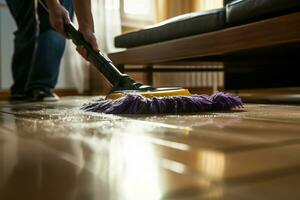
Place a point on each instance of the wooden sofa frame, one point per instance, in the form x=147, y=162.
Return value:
x=214, y=46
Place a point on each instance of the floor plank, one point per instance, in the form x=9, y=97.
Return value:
x=55, y=151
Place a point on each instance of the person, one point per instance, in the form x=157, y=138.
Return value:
x=39, y=44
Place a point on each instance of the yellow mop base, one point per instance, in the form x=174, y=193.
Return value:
x=150, y=94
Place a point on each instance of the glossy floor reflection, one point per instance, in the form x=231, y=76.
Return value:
x=54, y=151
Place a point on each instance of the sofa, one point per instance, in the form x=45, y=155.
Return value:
x=235, y=34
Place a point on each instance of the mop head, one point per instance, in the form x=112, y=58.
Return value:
x=137, y=104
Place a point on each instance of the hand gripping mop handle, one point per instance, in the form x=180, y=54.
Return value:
x=103, y=64
x=118, y=80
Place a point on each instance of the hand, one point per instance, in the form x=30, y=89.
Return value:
x=59, y=16
x=89, y=36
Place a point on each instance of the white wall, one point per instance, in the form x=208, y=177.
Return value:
x=7, y=27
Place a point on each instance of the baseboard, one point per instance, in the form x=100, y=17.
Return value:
x=285, y=96
x=4, y=94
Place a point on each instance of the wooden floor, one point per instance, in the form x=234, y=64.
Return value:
x=53, y=151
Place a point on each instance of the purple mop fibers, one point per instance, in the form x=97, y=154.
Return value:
x=137, y=104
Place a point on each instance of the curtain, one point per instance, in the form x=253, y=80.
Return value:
x=166, y=9
x=211, y=4
x=107, y=25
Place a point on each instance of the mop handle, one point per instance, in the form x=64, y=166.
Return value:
x=98, y=59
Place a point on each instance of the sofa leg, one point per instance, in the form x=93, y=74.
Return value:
x=149, y=74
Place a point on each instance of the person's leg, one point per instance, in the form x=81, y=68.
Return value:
x=51, y=45
x=24, y=43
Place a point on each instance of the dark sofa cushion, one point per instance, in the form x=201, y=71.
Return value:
x=241, y=11
x=180, y=26
x=228, y=1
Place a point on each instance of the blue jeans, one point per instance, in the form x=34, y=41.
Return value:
x=37, y=49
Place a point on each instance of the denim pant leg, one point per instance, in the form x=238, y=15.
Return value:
x=24, y=42
x=51, y=45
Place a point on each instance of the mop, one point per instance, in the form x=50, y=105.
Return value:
x=131, y=97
